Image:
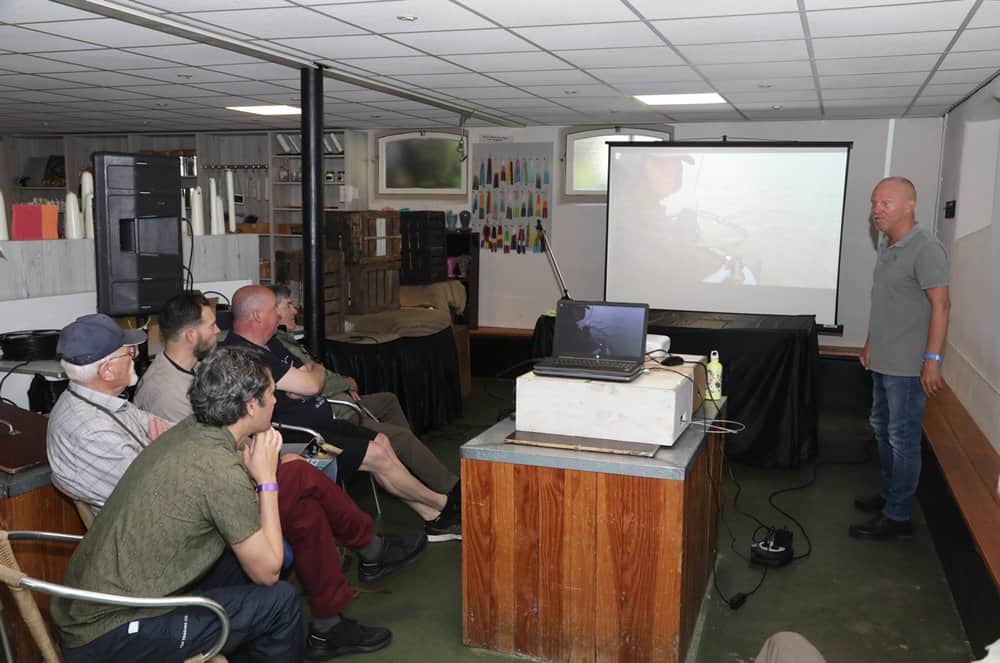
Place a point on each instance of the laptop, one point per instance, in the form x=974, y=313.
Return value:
x=597, y=341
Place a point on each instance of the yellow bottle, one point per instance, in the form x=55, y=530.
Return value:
x=714, y=376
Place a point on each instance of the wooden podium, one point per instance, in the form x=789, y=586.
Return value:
x=582, y=556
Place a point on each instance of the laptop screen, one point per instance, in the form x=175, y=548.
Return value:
x=600, y=330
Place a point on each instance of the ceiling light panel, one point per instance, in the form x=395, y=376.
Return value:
x=888, y=19
x=728, y=29
x=689, y=99
x=431, y=15
x=612, y=35
x=266, y=110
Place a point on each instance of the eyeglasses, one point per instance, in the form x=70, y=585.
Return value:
x=130, y=351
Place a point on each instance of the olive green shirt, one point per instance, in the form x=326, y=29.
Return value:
x=179, y=504
x=334, y=385
x=901, y=312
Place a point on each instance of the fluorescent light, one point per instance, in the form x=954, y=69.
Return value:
x=680, y=99
x=267, y=110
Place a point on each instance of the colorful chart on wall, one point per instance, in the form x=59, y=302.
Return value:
x=511, y=193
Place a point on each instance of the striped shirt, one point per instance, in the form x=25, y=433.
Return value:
x=89, y=449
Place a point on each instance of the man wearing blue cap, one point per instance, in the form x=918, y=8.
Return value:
x=96, y=355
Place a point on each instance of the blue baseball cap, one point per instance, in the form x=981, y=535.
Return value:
x=91, y=337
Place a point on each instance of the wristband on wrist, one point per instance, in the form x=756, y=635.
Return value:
x=264, y=487
x=935, y=357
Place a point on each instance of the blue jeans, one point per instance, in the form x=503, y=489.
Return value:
x=897, y=418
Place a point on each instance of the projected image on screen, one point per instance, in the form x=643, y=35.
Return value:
x=591, y=330
x=749, y=229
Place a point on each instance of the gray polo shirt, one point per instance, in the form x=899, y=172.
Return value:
x=901, y=312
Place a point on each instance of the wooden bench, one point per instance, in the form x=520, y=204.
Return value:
x=960, y=464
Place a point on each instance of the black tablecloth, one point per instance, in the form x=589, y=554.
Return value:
x=422, y=371
x=769, y=376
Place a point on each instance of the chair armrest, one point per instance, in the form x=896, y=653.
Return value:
x=16, y=578
x=301, y=429
x=351, y=404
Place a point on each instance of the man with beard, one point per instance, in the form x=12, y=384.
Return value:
x=187, y=323
x=90, y=416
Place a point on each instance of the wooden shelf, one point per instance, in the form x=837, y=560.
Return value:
x=40, y=188
x=300, y=183
x=299, y=209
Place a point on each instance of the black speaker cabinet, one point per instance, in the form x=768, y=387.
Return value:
x=137, y=228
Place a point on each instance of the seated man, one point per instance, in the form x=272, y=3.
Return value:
x=255, y=321
x=315, y=513
x=184, y=519
x=384, y=406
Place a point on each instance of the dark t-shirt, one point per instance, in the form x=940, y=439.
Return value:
x=312, y=411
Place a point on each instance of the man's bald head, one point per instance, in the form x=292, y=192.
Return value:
x=906, y=186
x=894, y=201
x=251, y=298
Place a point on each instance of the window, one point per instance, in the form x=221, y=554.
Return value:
x=586, y=158
x=422, y=162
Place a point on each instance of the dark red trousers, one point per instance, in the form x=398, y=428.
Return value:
x=316, y=515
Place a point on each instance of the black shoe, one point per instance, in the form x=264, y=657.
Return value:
x=882, y=528
x=446, y=527
x=873, y=504
x=345, y=637
x=454, y=502
x=398, y=550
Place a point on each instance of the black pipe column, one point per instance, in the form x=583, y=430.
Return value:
x=312, y=208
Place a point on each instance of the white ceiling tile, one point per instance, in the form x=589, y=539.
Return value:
x=902, y=94
x=953, y=60
x=705, y=115
x=496, y=92
x=786, y=105
x=23, y=40
x=180, y=6
x=28, y=11
x=168, y=90
x=873, y=80
x=772, y=96
x=465, y=41
x=31, y=82
x=523, y=105
x=812, y=5
x=646, y=74
x=783, y=115
x=951, y=88
x=192, y=75
x=756, y=70
x=725, y=29
x=361, y=95
x=587, y=104
x=356, y=46
x=532, y=12
x=888, y=19
x=104, y=93
x=974, y=76
x=988, y=15
x=659, y=9
x=102, y=78
x=108, y=58
x=552, y=77
x=489, y=62
x=195, y=54
x=980, y=39
x=34, y=96
x=847, y=66
x=443, y=81
x=746, y=85
x=764, y=51
x=607, y=35
x=883, y=45
x=92, y=105
x=243, y=88
x=646, y=56
x=431, y=15
x=29, y=64
x=421, y=64
x=576, y=91
x=109, y=32
x=276, y=23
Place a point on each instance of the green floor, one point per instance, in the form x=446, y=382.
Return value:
x=856, y=601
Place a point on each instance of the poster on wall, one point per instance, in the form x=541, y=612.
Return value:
x=511, y=194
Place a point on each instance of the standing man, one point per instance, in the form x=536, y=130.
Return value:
x=909, y=320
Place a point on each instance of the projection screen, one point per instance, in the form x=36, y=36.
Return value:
x=726, y=227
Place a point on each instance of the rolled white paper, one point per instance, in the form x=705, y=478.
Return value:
x=86, y=184
x=218, y=226
x=197, y=213
x=73, y=217
x=213, y=193
x=3, y=219
x=88, y=214
x=231, y=200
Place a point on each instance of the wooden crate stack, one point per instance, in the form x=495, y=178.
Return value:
x=371, y=243
x=290, y=269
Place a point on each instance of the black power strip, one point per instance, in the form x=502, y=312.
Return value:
x=775, y=550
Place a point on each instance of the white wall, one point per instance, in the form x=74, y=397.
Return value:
x=971, y=177
x=514, y=290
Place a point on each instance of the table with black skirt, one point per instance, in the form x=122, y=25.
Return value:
x=770, y=367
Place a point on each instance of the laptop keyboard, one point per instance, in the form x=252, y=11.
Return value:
x=595, y=364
